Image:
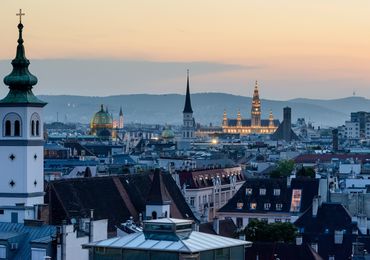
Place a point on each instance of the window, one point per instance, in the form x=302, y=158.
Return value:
x=2, y=252
x=262, y=191
x=266, y=220
x=38, y=253
x=8, y=128
x=17, y=128
x=277, y=220
x=239, y=222
x=12, y=125
x=33, y=128
x=276, y=192
x=35, y=124
x=267, y=206
x=279, y=206
x=253, y=205
x=192, y=199
x=239, y=205
x=248, y=191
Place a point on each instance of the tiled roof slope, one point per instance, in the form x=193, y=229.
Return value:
x=74, y=198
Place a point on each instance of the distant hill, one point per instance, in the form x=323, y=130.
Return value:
x=208, y=108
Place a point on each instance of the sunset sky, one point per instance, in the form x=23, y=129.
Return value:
x=314, y=49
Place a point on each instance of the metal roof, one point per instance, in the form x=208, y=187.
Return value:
x=196, y=242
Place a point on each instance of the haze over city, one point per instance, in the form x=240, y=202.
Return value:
x=311, y=49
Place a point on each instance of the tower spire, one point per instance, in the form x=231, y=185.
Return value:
x=187, y=107
x=20, y=80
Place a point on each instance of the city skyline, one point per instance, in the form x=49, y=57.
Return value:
x=315, y=50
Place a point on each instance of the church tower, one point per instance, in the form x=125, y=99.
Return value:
x=21, y=141
x=271, y=120
x=188, y=120
x=256, y=108
x=224, y=120
x=120, y=123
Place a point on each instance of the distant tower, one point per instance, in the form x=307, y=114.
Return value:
x=287, y=123
x=21, y=142
x=188, y=120
x=239, y=119
x=256, y=108
x=120, y=124
x=271, y=120
x=224, y=120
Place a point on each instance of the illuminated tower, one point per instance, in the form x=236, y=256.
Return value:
x=21, y=142
x=271, y=120
x=239, y=119
x=224, y=120
x=256, y=108
x=120, y=124
x=188, y=120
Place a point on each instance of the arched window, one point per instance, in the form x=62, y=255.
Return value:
x=37, y=127
x=17, y=128
x=12, y=125
x=8, y=128
x=35, y=124
x=33, y=128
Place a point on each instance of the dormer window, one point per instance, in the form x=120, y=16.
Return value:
x=263, y=191
x=253, y=205
x=12, y=125
x=239, y=205
x=248, y=191
x=279, y=206
x=276, y=192
x=267, y=206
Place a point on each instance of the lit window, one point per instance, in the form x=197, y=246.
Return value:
x=262, y=191
x=253, y=205
x=248, y=191
x=239, y=205
x=279, y=206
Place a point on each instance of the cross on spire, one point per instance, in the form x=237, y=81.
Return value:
x=20, y=14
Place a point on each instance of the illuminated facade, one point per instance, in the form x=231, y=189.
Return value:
x=254, y=125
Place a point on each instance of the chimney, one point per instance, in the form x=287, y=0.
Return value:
x=362, y=224
x=216, y=225
x=92, y=214
x=315, y=206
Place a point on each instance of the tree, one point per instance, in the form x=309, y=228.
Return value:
x=261, y=231
x=306, y=172
x=283, y=169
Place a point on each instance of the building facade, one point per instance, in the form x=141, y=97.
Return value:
x=22, y=143
x=254, y=125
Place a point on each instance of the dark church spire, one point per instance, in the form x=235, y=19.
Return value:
x=120, y=111
x=20, y=80
x=187, y=107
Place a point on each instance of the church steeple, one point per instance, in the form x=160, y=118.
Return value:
x=20, y=80
x=187, y=107
x=120, y=111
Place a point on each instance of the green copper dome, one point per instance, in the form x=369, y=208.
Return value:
x=168, y=133
x=102, y=119
x=20, y=80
